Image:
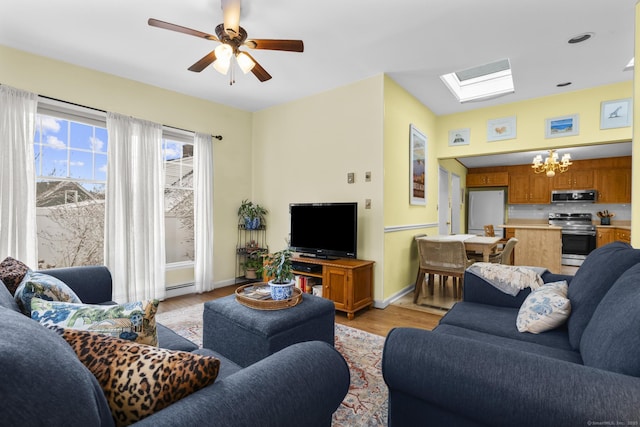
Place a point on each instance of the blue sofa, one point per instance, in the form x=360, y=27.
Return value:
x=475, y=368
x=44, y=383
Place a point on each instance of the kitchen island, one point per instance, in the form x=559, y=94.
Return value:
x=539, y=245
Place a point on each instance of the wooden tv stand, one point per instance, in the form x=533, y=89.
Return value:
x=347, y=282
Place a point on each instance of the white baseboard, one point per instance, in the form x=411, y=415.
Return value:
x=386, y=302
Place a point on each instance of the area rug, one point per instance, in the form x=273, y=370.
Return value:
x=366, y=402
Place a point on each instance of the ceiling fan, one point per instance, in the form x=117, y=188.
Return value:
x=231, y=37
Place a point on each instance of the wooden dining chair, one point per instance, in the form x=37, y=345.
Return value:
x=501, y=257
x=489, y=231
x=444, y=258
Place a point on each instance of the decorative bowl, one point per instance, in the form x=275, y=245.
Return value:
x=281, y=291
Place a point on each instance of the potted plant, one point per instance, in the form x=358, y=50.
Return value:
x=277, y=267
x=252, y=215
x=252, y=264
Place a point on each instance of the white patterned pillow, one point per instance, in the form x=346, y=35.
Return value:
x=545, y=308
x=43, y=286
x=133, y=321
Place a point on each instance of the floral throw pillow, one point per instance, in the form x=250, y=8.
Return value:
x=136, y=379
x=12, y=272
x=43, y=286
x=545, y=308
x=132, y=321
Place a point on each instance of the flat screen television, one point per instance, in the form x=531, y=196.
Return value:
x=324, y=230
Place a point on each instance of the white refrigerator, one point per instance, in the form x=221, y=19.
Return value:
x=486, y=207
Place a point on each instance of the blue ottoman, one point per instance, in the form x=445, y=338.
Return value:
x=246, y=335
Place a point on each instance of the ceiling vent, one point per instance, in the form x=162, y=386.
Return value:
x=481, y=83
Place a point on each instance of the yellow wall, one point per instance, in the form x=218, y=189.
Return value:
x=303, y=150
x=635, y=165
x=110, y=93
x=530, y=118
x=403, y=221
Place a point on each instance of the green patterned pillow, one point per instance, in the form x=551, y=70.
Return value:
x=43, y=286
x=133, y=321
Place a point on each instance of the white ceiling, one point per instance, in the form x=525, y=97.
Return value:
x=413, y=41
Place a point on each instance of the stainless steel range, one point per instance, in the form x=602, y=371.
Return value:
x=578, y=236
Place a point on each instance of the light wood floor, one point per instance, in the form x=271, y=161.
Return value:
x=375, y=321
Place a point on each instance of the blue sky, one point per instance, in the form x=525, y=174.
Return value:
x=70, y=149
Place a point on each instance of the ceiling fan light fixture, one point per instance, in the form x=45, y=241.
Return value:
x=245, y=63
x=222, y=66
x=224, y=52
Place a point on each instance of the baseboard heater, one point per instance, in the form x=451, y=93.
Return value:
x=180, y=286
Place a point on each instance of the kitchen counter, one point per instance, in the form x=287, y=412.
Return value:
x=533, y=226
x=621, y=227
x=538, y=245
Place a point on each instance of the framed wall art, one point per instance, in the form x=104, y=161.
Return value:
x=561, y=126
x=459, y=136
x=616, y=114
x=500, y=129
x=418, y=166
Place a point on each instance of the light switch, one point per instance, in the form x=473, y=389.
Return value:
x=367, y=176
x=367, y=204
x=351, y=178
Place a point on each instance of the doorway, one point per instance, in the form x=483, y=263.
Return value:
x=444, y=216
x=456, y=203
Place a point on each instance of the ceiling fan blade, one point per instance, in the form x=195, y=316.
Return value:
x=231, y=16
x=270, y=44
x=180, y=29
x=258, y=71
x=288, y=45
x=204, y=62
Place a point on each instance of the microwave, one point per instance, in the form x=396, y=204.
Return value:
x=573, y=196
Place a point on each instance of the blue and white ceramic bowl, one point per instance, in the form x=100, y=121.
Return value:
x=281, y=291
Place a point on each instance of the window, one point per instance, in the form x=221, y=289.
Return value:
x=71, y=173
x=70, y=154
x=178, y=200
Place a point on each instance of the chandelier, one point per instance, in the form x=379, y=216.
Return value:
x=551, y=164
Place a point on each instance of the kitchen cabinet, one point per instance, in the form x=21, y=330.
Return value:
x=488, y=179
x=604, y=236
x=611, y=177
x=623, y=235
x=573, y=180
x=613, y=185
x=529, y=189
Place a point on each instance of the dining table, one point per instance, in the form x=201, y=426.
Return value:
x=473, y=243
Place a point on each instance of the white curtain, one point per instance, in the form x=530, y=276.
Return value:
x=203, y=211
x=134, y=218
x=17, y=176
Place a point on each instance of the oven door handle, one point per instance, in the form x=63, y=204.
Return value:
x=579, y=233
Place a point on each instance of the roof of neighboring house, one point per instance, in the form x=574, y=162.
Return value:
x=56, y=193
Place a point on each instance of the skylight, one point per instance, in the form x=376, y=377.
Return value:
x=480, y=83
